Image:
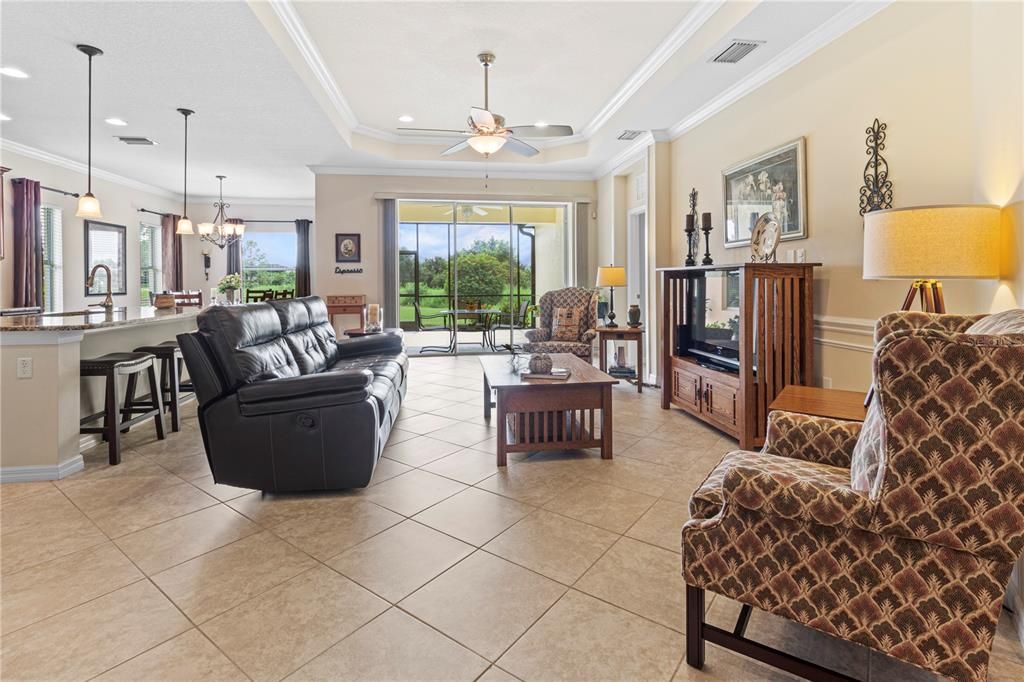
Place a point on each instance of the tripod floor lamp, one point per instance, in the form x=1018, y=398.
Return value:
x=927, y=244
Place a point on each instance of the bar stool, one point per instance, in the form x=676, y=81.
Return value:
x=110, y=366
x=171, y=385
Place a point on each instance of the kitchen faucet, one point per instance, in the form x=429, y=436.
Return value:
x=108, y=302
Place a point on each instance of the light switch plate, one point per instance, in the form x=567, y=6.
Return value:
x=24, y=368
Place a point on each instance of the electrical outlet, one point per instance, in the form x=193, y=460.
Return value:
x=826, y=382
x=24, y=368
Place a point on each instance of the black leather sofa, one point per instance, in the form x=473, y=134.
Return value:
x=284, y=406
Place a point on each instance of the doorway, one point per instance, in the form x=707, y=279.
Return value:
x=470, y=272
x=636, y=271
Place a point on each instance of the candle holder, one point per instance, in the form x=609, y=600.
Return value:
x=706, y=229
x=691, y=230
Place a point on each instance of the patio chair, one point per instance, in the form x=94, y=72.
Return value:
x=512, y=321
x=423, y=324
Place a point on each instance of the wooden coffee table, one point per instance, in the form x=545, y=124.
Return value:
x=543, y=414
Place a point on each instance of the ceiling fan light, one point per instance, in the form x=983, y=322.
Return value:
x=184, y=226
x=205, y=228
x=88, y=207
x=486, y=144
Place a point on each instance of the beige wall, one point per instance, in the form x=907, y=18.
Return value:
x=120, y=206
x=347, y=203
x=954, y=124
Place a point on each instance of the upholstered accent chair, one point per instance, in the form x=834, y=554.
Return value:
x=913, y=559
x=539, y=339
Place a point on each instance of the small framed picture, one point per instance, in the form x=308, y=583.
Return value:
x=347, y=248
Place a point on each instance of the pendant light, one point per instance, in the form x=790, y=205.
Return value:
x=223, y=231
x=88, y=204
x=184, y=224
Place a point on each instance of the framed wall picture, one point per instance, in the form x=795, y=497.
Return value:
x=105, y=245
x=347, y=248
x=773, y=182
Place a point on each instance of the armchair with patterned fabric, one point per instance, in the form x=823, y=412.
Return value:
x=899, y=535
x=540, y=339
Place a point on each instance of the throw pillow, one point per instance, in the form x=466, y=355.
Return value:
x=1006, y=322
x=565, y=324
x=867, y=466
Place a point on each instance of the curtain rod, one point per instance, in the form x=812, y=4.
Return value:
x=50, y=189
x=146, y=210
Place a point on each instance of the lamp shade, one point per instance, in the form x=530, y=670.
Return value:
x=184, y=226
x=486, y=144
x=88, y=207
x=932, y=242
x=611, y=276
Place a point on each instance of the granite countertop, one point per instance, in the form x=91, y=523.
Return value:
x=94, y=318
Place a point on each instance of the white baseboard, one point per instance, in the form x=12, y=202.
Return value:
x=42, y=473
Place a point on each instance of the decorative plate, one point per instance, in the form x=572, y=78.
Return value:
x=764, y=240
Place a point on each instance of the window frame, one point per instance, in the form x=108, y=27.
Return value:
x=49, y=263
x=117, y=288
x=156, y=252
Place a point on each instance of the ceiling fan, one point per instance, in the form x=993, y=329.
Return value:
x=487, y=131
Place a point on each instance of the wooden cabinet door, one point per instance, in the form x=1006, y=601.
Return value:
x=686, y=389
x=720, y=402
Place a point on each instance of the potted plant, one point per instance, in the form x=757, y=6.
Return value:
x=229, y=284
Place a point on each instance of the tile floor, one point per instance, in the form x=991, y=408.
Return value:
x=562, y=567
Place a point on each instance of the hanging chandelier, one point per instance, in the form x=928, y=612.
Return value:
x=88, y=204
x=223, y=231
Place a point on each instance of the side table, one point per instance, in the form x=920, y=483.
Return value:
x=821, y=402
x=636, y=334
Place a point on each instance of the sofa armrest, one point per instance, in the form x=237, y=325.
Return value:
x=389, y=341
x=808, y=493
x=815, y=439
x=588, y=336
x=909, y=320
x=328, y=383
x=538, y=335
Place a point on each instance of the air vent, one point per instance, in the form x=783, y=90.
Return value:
x=144, y=141
x=737, y=51
x=630, y=134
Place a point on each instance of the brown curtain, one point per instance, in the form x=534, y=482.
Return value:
x=302, y=283
x=171, y=244
x=28, y=248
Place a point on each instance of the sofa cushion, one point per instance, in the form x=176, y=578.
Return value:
x=308, y=332
x=247, y=342
x=1006, y=322
x=867, y=465
x=708, y=499
x=565, y=324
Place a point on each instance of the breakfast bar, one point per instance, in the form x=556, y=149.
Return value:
x=42, y=394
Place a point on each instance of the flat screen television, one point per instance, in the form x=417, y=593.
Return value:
x=711, y=332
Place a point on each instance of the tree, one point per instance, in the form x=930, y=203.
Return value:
x=253, y=256
x=481, y=274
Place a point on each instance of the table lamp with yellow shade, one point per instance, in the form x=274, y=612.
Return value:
x=927, y=244
x=611, y=276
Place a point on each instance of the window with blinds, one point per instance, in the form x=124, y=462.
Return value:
x=51, y=233
x=105, y=245
x=151, y=276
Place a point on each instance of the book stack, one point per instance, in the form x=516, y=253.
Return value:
x=622, y=372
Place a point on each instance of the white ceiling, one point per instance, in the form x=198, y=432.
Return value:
x=556, y=61
x=285, y=86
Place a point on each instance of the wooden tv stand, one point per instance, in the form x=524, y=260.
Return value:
x=769, y=307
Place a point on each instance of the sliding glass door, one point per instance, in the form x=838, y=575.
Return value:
x=469, y=271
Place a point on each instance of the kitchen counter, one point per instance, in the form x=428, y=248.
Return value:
x=42, y=393
x=94, y=319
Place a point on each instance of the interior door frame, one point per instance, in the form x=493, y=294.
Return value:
x=633, y=250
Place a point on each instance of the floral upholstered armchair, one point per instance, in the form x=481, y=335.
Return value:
x=899, y=535
x=540, y=339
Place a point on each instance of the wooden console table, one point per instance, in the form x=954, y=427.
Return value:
x=821, y=402
x=635, y=334
x=349, y=304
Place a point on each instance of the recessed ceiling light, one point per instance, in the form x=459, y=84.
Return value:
x=117, y=121
x=406, y=118
x=13, y=72
x=540, y=124
x=4, y=117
